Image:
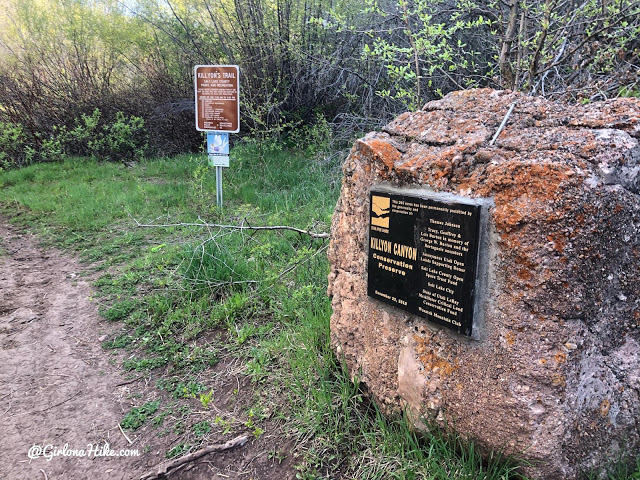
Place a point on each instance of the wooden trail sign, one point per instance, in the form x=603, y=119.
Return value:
x=217, y=91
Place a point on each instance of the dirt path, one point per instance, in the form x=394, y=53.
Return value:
x=63, y=396
x=58, y=387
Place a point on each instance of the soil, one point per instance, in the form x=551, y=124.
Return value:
x=61, y=388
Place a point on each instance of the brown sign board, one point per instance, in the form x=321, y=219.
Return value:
x=217, y=91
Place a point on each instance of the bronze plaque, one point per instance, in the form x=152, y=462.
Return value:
x=423, y=254
x=217, y=90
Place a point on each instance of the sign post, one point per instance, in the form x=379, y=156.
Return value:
x=217, y=91
x=218, y=150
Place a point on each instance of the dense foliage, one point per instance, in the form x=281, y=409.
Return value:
x=355, y=64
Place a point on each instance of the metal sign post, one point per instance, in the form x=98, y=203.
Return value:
x=217, y=91
x=218, y=150
x=219, y=187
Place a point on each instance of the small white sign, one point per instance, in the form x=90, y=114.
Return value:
x=218, y=160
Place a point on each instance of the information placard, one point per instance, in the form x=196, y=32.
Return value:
x=219, y=160
x=423, y=256
x=217, y=143
x=217, y=91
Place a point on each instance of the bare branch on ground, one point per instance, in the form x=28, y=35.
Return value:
x=164, y=469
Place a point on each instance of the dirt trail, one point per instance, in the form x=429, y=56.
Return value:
x=57, y=384
x=59, y=387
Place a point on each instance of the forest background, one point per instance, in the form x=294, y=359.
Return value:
x=114, y=79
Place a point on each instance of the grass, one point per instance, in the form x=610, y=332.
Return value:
x=262, y=294
x=137, y=416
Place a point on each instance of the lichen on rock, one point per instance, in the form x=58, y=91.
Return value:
x=555, y=377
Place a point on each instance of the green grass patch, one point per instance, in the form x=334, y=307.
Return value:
x=121, y=341
x=119, y=310
x=201, y=429
x=85, y=196
x=178, y=451
x=180, y=388
x=137, y=416
x=145, y=363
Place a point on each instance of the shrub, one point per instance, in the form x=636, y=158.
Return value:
x=78, y=141
x=12, y=145
x=123, y=139
x=313, y=138
x=51, y=148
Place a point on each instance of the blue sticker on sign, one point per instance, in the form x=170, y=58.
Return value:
x=217, y=143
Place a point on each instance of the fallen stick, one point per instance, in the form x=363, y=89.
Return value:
x=235, y=227
x=502, y=125
x=127, y=382
x=57, y=404
x=125, y=435
x=165, y=469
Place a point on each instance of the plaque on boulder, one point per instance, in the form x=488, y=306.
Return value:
x=423, y=255
x=551, y=375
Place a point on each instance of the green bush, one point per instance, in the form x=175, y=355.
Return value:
x=138, y=415
x=78, y=141
x=123, y=139
x=313, y=138
x=12, y=145
x=51, y=147
x=126, y=138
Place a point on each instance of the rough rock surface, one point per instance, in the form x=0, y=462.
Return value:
x=556, y=377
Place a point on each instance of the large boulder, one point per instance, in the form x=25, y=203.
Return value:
x=554, y=373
